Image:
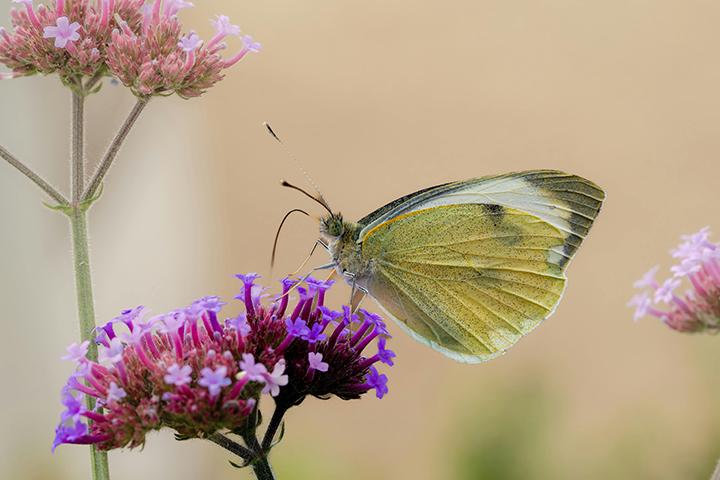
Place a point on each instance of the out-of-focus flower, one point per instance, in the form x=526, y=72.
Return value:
x=186, y=371
x=698, y=310
x=140, y=43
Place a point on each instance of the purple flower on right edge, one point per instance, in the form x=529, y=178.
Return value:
x=698, y=309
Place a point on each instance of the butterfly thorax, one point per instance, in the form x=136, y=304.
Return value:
x=346, y=252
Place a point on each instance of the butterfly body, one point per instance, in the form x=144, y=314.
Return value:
x=469, y=267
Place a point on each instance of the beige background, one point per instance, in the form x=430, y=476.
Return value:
x=379, y=98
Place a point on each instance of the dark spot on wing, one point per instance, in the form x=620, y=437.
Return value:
x=497, y=212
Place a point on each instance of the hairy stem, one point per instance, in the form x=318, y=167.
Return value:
x=233, y=447
x=113, y=149
x=81, y=262
x=90, y=84
x=77, y=148
x=34, y=177
x=86, y=313
x=261, y=468
x=272, y=428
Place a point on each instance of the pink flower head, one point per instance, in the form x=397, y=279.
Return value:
x=63, y=32
x=199, y=377
x=698, y=310
x=141, y=44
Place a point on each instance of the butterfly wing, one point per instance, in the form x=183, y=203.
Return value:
x=467, y=279
x=566, y=201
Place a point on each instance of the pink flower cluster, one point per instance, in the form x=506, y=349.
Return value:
x=698, y=309
x=187, y=371
x=141, y=44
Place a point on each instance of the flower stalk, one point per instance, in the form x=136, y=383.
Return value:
x=81, y=261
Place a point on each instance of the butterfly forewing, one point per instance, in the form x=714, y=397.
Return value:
x=566, y=201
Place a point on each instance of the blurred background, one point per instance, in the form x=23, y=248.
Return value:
x=378, y=99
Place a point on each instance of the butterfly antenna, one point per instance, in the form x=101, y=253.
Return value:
x=318, y=197
x=277, y=234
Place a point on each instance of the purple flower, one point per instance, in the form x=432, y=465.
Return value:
x=129, y=316
x=642, y=304
x=665, y=292
x=648, y=279
x=378, y=382
x=276, y=379
x=250, y=44
x=68, y=433
x=113, y=351
x=247, y=278
x=173, y=321
x=63, y=32
x=316, y=363
x=224, y=27
x=73, y=406
x=115, y=393
x=698, y=310
x=76, y=352
x=315, y=334
x=190, y=43
x=214, y=380
x=297, y=328
x=177, y=375
x=240, y=324
x=211, y=303
x=384, y=354
x=255, y=371
x=197, y=376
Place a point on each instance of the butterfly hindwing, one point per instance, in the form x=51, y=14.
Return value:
x=468, y=279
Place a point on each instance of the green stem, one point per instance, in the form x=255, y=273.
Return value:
x=275, y=423
x=86, y=313
x=261, y=468
x=230, y=446
x=81, y=262
x=78, y=146
x=34, y=177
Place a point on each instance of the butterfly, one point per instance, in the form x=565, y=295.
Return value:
x=469, y=267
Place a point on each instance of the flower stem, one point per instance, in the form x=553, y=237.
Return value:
x=86, y=313
x=78, y=144
x=261, y=468
x=34, y=177
x=113, y=149
x=272, y=428
x=81, y=262
x=230, y=446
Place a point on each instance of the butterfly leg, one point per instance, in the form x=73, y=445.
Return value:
x=312, y=251
x=357, y=293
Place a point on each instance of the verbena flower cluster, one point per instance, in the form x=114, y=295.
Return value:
x=189, y=371
x=140, y=43
x=698, y=309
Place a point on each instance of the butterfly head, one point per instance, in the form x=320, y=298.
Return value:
x=332, y=225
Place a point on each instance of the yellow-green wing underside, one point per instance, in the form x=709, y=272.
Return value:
x=468, y=279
